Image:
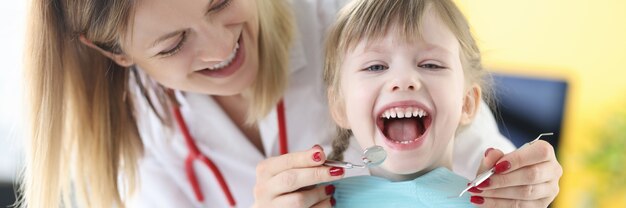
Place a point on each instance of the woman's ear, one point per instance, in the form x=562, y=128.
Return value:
x=120, y=59
x=337, y=109
x=471, y=102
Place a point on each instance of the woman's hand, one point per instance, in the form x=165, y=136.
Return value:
x=527, y=177
x=289, y=180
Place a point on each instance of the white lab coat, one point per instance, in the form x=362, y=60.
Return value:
x=162, y=179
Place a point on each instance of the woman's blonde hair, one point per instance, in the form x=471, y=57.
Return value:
x=275, y=39
x=371, y=20
x=83, y=135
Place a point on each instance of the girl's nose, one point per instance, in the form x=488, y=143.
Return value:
x=408, y=87
x=405, y=82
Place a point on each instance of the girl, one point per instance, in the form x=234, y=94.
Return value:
x=407, y=76
x=168, y=96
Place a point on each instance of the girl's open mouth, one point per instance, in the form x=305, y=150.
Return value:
x=404, y=127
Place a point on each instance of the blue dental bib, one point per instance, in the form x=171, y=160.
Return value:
x=432, y=189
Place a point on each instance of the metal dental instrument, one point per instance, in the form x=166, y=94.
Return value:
x=485, y=175
x=372, y=156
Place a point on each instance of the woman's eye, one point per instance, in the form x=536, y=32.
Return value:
x=176, y=48
x=376, y=67
x=220, y=5
x=431, y=66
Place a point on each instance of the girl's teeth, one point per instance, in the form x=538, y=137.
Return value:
x=404, y=113
x=408, y=112
x=404, y=142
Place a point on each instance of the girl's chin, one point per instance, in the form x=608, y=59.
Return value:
x=400, y=171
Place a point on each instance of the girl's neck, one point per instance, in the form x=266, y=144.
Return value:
x=236, y=107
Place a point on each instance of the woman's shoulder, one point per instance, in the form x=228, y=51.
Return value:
x=155, y=128
x=312, y=20
x=322, y=11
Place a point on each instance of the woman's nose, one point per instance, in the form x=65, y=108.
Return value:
x=215, y=44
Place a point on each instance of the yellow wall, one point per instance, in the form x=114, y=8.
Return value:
x=582, y=41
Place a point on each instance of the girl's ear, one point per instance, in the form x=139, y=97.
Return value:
x=471, y=102
x=120, y=59
x=337, y=109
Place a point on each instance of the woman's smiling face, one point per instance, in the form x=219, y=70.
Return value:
x=201, y=46
x=406, y=96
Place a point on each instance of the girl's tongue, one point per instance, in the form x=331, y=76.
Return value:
x=403, y=129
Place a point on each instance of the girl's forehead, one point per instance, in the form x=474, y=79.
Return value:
x=429, y=31
x=442, y=42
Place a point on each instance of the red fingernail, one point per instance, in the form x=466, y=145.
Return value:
x=332, y=201
x=330, y=189
x=317, y=156
x=336, y=171
x=475, y=190
x=484, y=183
x=477, y=200
x=502, y=166
x=487, y=151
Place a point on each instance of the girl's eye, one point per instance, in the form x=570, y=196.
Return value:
x=431, y=66
x=377, y=67
x=219, y=6
x=175, y=49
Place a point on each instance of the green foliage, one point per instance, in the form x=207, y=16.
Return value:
x=609, y=159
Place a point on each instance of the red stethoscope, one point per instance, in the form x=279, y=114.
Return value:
x=195, y=154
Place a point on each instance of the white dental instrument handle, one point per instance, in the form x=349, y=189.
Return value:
x=346, y=165
x=483, y=176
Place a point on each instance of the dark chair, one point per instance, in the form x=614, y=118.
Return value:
x=7, y=194
x=528, y=106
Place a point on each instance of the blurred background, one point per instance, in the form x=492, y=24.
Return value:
x=559, y=66
x=573, y=46
x=12, y=25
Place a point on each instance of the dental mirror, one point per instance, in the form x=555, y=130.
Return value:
x=372, y=157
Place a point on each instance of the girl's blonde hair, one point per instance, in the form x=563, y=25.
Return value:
x=371, y=20
x=83, y=135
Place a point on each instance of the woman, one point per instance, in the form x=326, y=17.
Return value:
x=180, y=100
